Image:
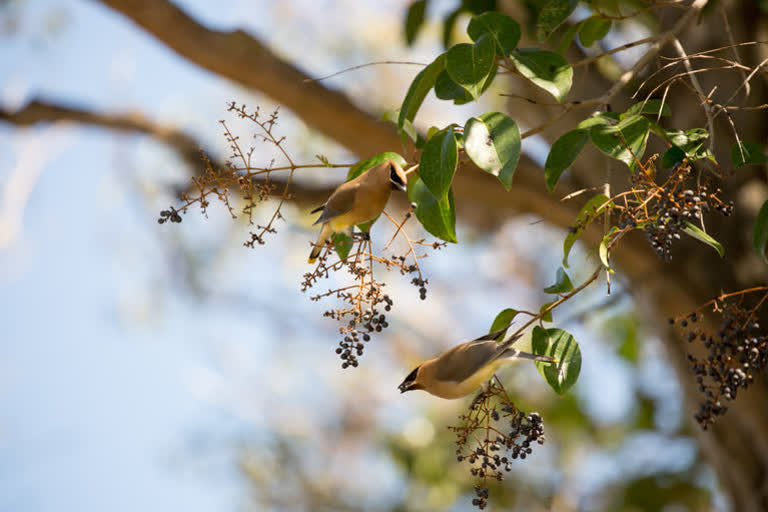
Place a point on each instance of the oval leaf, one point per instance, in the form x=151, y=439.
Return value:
x=564, y=151
x=414, y=20
x=746, y=153
x=469, y=64
x=593, y=29
x=562, y=346
x=437, y=217
x=760, y=233
x=624, y=141
x=492, y=141
x=548, y=70
x=702, y=236
x=447, y=89
x=503, y=319
x=654, y=107
x=552, y=14
x=438, y=162
x=421, y=85
x=503, y=30
x=342, y=243
x=562, y=283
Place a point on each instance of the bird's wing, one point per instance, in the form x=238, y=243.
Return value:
x=340, y=202
x=462, y=361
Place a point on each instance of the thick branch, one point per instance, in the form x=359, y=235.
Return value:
x=243, y=59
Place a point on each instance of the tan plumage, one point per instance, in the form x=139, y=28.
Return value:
x=462, y=369
x=357, y=201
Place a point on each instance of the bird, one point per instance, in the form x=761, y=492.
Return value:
x=357, y=201
x=460, y=370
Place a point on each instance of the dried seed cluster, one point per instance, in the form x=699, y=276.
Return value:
x=492, y=434
x=735, y=355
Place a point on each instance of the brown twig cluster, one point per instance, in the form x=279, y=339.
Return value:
x=364, y=298
x=492, y=434
x=734, y=355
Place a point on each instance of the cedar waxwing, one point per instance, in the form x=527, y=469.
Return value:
x=460, y=370
x=358, y=201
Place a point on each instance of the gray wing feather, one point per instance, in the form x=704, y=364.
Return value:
x=339, y=203
x=464, y=360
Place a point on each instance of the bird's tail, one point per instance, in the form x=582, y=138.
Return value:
x=325, y=232
x=513, y=353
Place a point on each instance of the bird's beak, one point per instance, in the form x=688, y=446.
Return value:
x=399, y=186
x=403, y=387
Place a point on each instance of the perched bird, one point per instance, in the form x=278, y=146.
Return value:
x=358, y=201
x=462, y=369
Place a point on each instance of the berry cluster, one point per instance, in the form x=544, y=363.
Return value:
x=664, y=211
x=169, y=215
x=735, y=354
x=481, y=441
x=422, y=284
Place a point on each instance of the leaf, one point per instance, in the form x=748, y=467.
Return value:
x=418, y=90
x=414, y=20
x=648, y=107
x=437, y=217
x=546, y=317
x=503, y=319
x=760, y=233
x=562, y=283
x=363, y=165
x=504, y=31
x=598, y=119
x=548, y=70
x=552, y=14
x=562, y=346
x=447, y=89
x=747, y=153
x=593, y=29
x=492, y=141
x=624, y=141
x=438, y=162
x=563, y=153
x=469, y=64
x=408, y=129
x=701, y=236
x=589, y=212
x=567, y=39
x=691, y=142
x=603, y=249
x=671, y=157
x=342, y=243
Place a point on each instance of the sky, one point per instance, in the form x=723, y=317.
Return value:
x=136, y=358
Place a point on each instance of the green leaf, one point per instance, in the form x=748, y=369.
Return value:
x=671, y=157
x=562, y=283
x=447, y=89
x=342, y=243
x=563, y=153
x=747, y=153
x=437, y=217
x=547, y=317
x=567, y=39
x=438, y=162
x=503, y=30
x=363, y=165
x=597, y=119
x=593, y=29
x=503, y=319
x=760, y=233
x=624, y=141
x=418, y=90
x=701, y=236
x=552, y=14
x=469, y=64
x=548, y=70
x=414, y=20
x=492, y=141
x=562, y=346
x=589, y=212
x=648, y=107
x=691, y=142
x=603, y=249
